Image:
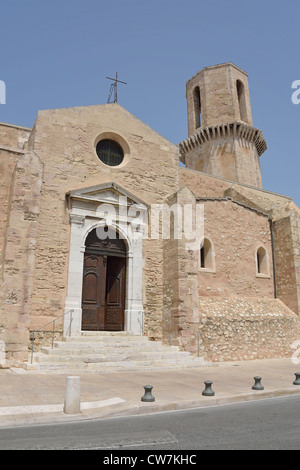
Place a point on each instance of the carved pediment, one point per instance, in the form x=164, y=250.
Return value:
x=107, y=193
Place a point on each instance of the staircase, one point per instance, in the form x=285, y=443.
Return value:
x=109, y=351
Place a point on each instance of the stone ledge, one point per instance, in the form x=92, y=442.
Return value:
x=232, y=129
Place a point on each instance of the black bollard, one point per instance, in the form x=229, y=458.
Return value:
x=148, y=395
x=257, y=385
x=297, y=380
x=208, y=391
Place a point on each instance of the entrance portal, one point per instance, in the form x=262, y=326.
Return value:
x=104, y=278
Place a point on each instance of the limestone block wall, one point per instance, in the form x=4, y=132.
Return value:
x=239, y=317
x=202, y=184
x=236, y=233
x=65, y=142
x=7, y=165
x=246, y=328
x=285, y=216
x=296, y=240
x=247, y=163
x=287, y=257
x=13, y=141
x=286, y=232
x=206, y=185
x=13, y=137
x=180, y=261
x=19, y=256
x=153, y=286
x=218, y=95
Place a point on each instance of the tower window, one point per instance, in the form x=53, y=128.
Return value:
x=207, y=258
x=241, y=100
x=197, y=107
x=262, y=262
x=110, y=152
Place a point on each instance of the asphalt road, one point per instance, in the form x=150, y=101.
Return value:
x=270, y=424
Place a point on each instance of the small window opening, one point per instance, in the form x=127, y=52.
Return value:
x=262, y=261
x=241, y=100
x=197, y=107
x=202, y=257
x=206, y=255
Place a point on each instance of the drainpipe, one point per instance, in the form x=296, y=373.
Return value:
x=273, y=257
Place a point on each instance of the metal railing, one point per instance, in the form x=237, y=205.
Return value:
x=170, y=324
x=32, y=334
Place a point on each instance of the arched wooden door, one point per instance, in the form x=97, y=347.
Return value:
x=104, y=279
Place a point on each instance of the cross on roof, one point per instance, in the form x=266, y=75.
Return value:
x=114, y=88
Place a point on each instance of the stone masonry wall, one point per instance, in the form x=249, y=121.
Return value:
x=65, y=142
x=239, y=317
x=287, y=251
x=180, y=315
x=19, y=256
x=244, y=329
x=285, y=215
x=13, y=140
x=236, y=233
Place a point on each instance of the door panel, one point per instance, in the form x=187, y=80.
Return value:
x=90, y=288
x=115, y=293
x=93, y=279
x=103, y=292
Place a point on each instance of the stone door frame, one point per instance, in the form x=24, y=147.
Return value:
x=84, y=217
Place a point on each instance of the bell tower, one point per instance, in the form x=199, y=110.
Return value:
x=221, y=138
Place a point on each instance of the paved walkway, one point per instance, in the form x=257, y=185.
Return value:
x=28, y=398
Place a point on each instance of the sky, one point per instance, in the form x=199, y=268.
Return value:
x=57, y=54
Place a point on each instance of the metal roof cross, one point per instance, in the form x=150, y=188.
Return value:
x=114, y=88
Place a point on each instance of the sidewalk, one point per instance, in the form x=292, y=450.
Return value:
x=28, y=398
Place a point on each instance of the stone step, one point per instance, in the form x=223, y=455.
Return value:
x=108, y=345
x=107, y=338
x=48, y=354
x=58, y=350
x=109, y=351
x=114, y=366
x=117, y=356
x=108, y=333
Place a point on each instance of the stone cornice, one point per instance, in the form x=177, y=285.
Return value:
x=12, y=150
x=235, y=129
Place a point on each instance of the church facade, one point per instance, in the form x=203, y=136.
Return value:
x=107, y=226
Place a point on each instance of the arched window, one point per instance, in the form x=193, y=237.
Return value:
x=207, y=256
x=197, y=106
x=262, y=262
x=240, y=89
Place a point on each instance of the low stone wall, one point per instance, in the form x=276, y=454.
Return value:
x=243, y=329
x=43, y=338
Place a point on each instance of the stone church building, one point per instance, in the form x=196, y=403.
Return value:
x=83, y=173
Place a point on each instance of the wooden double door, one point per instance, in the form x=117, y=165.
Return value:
x=103, y=292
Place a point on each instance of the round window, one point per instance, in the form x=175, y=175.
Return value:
x=110, y=152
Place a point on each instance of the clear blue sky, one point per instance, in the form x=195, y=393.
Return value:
x=56, y=54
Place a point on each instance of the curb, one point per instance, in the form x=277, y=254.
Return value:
x=117, y=407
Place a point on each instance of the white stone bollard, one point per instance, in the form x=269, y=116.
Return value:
x=72, y=397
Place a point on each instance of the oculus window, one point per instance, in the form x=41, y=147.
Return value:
x=110, y=152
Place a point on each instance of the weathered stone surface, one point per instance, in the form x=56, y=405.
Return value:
x=224, y=309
